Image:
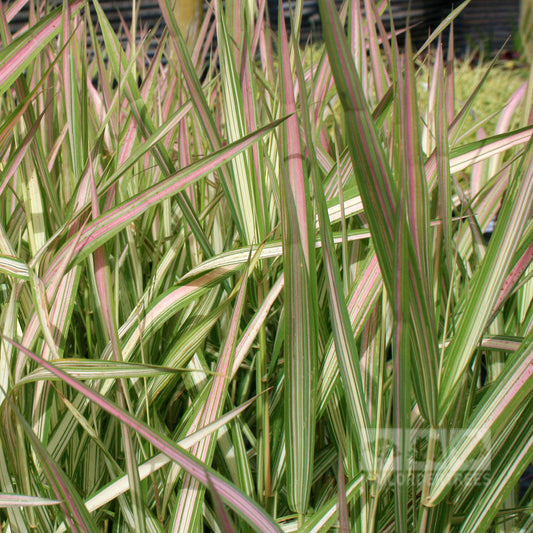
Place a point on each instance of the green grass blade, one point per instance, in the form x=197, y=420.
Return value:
x=402, y=369
x=504, y=471
x=325, y=517
x=21, y=500
x=71, y=503
x=493, y=415
x=243, y=172
x=121, y=485
x=489, y=279
x=422, y=324
x=442, y=26
x=379, y=192
x=12, y=266
x=364, y=293
x=231, y=495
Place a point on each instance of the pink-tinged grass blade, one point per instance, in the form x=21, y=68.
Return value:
x=51, y=333
x=379, y=72
x=469, y=154
x=16, y=57
x=224, y=521
x=300, y=341
x=10, y=121
x=510, y=283
x=344, y=524
x=13, y=9
x=187, y=512
x=16, y=158
x=252, y=330
x=110, y=223
x=143, y=323
x=410, y=160
x=139, y=110
x=241, y=504
x=130, y=154
x=515, y=102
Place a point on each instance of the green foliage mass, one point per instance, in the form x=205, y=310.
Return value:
x=246, y=287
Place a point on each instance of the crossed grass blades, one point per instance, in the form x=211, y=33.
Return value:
x=254, y=293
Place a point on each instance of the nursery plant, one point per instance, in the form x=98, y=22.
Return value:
x=247, y=286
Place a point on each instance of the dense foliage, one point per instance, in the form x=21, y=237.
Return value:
x=257, y=291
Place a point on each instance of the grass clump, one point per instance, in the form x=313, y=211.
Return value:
x=255, y=295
